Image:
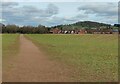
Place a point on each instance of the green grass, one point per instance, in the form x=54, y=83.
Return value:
x=95, y=57
x=10, y=44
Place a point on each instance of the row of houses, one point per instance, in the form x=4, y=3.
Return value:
x=84, y=31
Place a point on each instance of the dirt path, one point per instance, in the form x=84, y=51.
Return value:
x=31, y=65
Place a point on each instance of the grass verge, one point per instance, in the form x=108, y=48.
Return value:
x=95, y=57
x=10, y=45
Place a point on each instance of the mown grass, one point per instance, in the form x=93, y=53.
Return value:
x=10, y=44
x=95, y=57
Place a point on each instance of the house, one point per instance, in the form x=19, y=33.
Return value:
x=90, y=31
x=99, y=31
x=55, y=31
x=82, y=31
x=106, y=31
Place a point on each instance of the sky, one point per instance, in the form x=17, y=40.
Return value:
x=51, y=13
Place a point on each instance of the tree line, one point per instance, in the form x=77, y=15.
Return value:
x=40, y=29
x=25, y=29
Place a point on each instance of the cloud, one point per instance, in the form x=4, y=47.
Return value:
x=17, y=13
x=52, y=9
x=9, y=4
x=27, y=13
x=100, y=9
x=102, y=12
x=8, y=7
x=49, y=11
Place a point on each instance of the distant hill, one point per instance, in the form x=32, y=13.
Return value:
x=83, y=25
x=90, y=24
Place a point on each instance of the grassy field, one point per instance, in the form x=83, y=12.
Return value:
x=95, y=57
x=10, y=44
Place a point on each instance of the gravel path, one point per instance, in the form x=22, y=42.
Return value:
x=31, y=65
